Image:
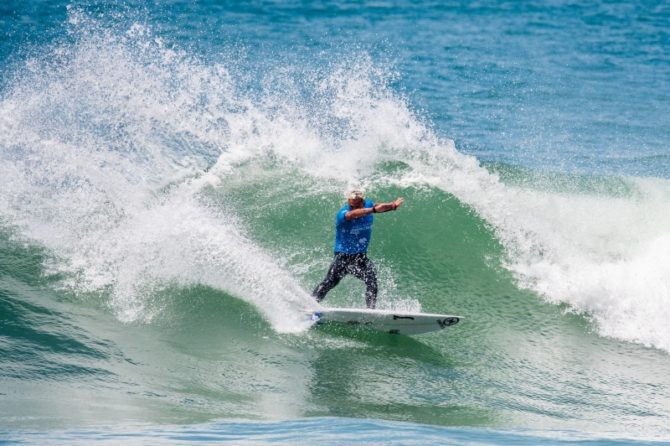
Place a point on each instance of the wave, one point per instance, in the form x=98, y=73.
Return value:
x=114, y=146
x=105, y=145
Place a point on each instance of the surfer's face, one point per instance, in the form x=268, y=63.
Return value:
x=356, y=202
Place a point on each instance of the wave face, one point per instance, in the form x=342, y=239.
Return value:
x=165, y=214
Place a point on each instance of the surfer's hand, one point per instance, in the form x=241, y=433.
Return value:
x=397, y=203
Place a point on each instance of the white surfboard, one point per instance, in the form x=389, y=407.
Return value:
x=395, y=322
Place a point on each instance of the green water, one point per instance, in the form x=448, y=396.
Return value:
x=514, y=360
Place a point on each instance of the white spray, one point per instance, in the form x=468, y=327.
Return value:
x=104, y=164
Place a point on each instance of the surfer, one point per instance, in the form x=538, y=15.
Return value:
x=353, y=228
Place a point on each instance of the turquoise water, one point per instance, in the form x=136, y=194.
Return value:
x=171, y=172
x=336, y=431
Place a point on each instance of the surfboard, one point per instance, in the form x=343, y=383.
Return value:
x=395, y=322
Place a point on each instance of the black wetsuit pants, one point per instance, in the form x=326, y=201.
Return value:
x=357, y=264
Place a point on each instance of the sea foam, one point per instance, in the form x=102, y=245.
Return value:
x=108, y=143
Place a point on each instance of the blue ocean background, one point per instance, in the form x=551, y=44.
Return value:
x=171, y=171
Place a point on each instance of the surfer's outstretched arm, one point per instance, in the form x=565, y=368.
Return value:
x=376, y=209
x=385, y=207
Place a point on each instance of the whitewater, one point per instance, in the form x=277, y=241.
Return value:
x=122, y=209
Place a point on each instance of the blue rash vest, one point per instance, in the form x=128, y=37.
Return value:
x=353, y=236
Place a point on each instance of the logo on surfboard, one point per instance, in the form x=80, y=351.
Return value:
x=447, y=321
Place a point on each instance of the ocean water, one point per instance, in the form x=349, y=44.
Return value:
x=170, y=175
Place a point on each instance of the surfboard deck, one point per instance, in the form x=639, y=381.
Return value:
x=395, y=322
